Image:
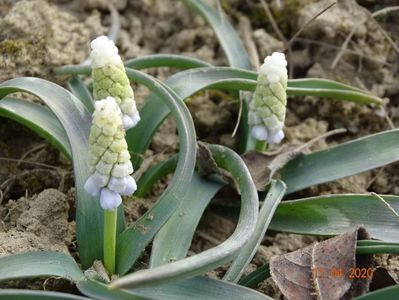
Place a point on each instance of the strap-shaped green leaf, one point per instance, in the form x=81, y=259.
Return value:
x=39, y=264
x=272, y=200
x=80, y=90
x=200, y=263
x=194, y=288
x=228, y=38
x=18, y=294
x=76, y=121
x=189, y=82
x=133, y=240
x=388, y=293
x=174, y=239
x=335, y=214
x=39, y=119
x=346, y=159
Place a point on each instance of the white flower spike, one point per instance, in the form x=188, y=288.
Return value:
x=109, y=158
x=110, y=79
x=267, y=108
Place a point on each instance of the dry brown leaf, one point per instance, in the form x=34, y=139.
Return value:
x=263, y=165
x=324, y=270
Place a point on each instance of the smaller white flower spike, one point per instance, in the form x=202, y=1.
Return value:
x=267, y=108
x=110, y=79
x=109, y=158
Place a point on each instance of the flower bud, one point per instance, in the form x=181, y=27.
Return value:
x=110, y=79
x=267, y=108
x=109, y=158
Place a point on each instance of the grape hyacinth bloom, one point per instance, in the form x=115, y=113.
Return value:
x=109, y=158
x=110, y=79
x=267, y=108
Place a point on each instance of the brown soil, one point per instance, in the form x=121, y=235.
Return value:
x=36, y=202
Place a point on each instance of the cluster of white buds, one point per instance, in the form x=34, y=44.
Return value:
x=109, y=158
x=110, y=79
x=267, y=108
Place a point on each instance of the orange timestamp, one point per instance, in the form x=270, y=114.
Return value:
x=352, y=273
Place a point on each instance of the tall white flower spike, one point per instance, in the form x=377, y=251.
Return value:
x=267, y=108
x=109, y=158
x=110, y=79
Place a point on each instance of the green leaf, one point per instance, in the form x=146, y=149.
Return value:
x=189, y=82
x=344, y=160
x=80, y=90
x=228, y=38
x=174, y=239
x=254, y=278
x=39, y=264
x=272, y=200
x=194, y=288
x=39, y=119
x=334, y=214
x=165, y=60
x=76, y=121
x=154, y=173
x=133, y=240
x=389, y=293
x=98, y=290
x=217, y=256
x=18, y=294
x=201, y=288
x=142, y=62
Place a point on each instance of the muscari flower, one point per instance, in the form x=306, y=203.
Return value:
x=267, y=108
x=110, y=79
x=109, y=158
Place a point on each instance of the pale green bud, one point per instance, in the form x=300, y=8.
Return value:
x=267, y=108
x=109, y=159
x=110, y=79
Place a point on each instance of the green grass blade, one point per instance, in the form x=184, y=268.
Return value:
x=165, y=60
x=174, y=239
x=154, y=173
x=254, y=278
x=228, y=38
x=272, y=200
x=132, y=241
x=39, y=264
x=39, y=119
x=347, y=159
x=80, y=90
x=389, y=293
x=76, y=121
x=18, y=294
x=334, y=214
x=207, y=260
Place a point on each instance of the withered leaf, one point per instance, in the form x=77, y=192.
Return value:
x=263, y=165
x=207, y=165
x=324, y=270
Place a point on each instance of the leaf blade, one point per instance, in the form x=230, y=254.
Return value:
x=76, y=121
x=333, y=214
x=40, y=120
x=343, y=160
x=36, y=264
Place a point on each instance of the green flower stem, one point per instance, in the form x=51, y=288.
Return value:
x=261, y=146
x=110, y=217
